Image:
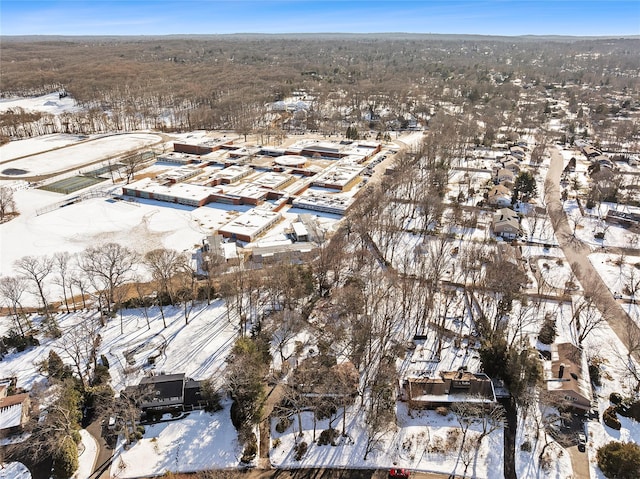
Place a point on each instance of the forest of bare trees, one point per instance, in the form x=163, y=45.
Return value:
x=224, y=82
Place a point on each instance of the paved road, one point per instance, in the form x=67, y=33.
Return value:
x=577, y=253
x=103, y=460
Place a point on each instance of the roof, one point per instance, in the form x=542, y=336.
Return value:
x=12, y=400
x=452, y=386
x=299, y=228
x=499, y=190
x=168, y=389
x=11, y=410
x=162, y=378
x=565, y=371
x=11, y=416
x=505, y=218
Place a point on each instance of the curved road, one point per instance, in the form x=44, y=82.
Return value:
x=577, y=253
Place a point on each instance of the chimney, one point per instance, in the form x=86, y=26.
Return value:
x=561, y=371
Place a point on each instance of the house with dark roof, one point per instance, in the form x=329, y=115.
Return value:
x=167, y=392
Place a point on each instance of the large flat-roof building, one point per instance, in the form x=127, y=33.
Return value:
x=181, y=193
x=323, y=203
x=250, y=225
x=338, y=177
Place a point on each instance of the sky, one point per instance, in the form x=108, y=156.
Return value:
x=164, y=17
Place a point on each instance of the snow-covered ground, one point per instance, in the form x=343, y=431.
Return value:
x=141, y=226
x=87, y=454
x=50, y=103
x=31, y=146
x=197, y=349
x=593, y=222
x=422, y=441
x=198, y=442
x=75, y=156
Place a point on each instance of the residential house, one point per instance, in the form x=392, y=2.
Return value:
x=518, y=152
x=506, y=223
x=566, y=376
x=448, y=388
x=512, y=164
x=505, y=176
x=14, y=411
x=167, y=392
x=499, y=195
x=590, y=152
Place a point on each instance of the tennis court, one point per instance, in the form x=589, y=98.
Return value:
x=71, y=184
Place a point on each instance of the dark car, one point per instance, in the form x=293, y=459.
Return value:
x=399, y=473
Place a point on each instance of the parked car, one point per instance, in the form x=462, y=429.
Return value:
x=582, y=442
x=399, y=473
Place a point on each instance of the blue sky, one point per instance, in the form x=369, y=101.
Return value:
x=491, y=17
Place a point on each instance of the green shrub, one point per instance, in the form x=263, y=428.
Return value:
x=615, y=398
x=15, y=340
x=276, y=442
x=104, y=361
x=300, y=450
x=611, y=419
x=65, y=461
x=101, y=375
x=594, y=374
x=526, y=446
x=283, y=424
x=631, y=410
x=620, y=460
x=250, y=449
x=328, y=436
x=548, y=331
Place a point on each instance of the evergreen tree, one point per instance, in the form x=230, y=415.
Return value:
x=620, y=460
x=55, y=367
x=525, y=187
x=65, y=461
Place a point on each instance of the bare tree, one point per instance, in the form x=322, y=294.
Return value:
x=283, y=326
x=163, y=264
x=36, y=269
x=586, y=317
x=108, y=266
x=81, y=348
x=11, y=290
x=7, y=202
x=62, y=266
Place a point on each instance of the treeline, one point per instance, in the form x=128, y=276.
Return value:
x=224, y=82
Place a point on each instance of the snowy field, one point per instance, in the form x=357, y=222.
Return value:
x=593, y=222
x=198, y=442
x=142, y=225
x=31, y=146
x=75, y=156
x=50, y=103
